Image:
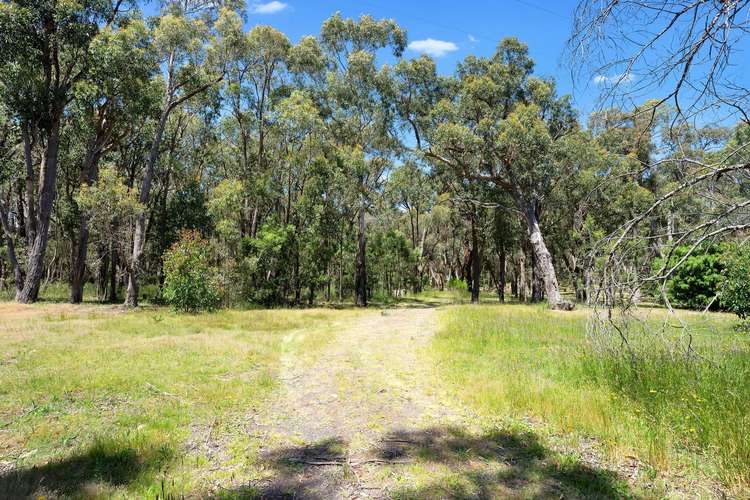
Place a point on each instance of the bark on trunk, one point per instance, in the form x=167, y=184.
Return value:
x=523, y=291
x=31, y=222
x=536, y=280
x=17, y=272
x=501, y=277
x=20, y=209
x=101, y=280
x=139, y=235
x=476, y=264
x=112, y=292
x=89, y=173
x=47, y=194
x=78, y=268
x=543, y=260
x=360, y=277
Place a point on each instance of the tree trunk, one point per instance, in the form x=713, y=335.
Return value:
x=360, y=277
x=476, y=263
x=78, y=266
x=28, y=145
x=89, y=173
x=101, y=280
x=17, y=272
x=112, y=292
x=501, y=277
x=523, y=291
x=536, y=285
x=139, y=235
x=297, y=281
x=543, y=260
x=47, y=194
x=20, y=210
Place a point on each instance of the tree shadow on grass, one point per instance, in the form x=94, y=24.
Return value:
x=104, y=464
x=496, y=464
x=307, y=472
x=436, y=462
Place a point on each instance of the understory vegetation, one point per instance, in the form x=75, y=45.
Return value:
x=670, y=413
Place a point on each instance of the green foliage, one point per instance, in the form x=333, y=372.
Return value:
x=225, y=208
x=735, y=287
x=190, y=283
x=696, y=281
x=459, y=289
x=264, y=257
x=187, y=210
x=108, y=204
x=457, y=284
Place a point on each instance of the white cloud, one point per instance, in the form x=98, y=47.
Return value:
x=435, y=48
x=473, y=39
x=619, y=78
x=268, y=8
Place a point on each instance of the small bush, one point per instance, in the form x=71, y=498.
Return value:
x=457, y=284
x=735, y=289
x=696, y=282
x=191, y=283
x=459, y=289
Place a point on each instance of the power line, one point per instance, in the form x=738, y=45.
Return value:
x=542, y=9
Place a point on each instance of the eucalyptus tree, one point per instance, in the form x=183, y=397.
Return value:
x=45, y=50
x=254, y=79
x=410, y=189
x=9, y=151
x=194, y=57
x=358, y=117
x=508, y=129
x=114, y=97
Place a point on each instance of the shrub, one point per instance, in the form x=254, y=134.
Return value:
x=459, y=290
x=457, y=284
x=191, y=283
x=697, y=280
x=735, y=288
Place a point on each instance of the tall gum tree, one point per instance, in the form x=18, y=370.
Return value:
x=193, y=55
x=358, y=119
x=108, y=104
x=504, y=127
x=44, y=47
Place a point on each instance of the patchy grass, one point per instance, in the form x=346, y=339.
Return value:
x=103, y=402
x=526, y=361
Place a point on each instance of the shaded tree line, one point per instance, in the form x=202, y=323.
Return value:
x=134, y=148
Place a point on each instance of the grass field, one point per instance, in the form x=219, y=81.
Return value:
x=112, y=403
x=526, y=361
x=96, y=401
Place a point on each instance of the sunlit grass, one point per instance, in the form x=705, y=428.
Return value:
x=130, y=399
x=526, y=361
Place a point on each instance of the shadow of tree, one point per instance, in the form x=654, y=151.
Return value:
x=496, y=464
x=436, y=462
x=105, y=463
x=308, y=472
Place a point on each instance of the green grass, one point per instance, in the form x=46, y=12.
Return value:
x=112, y=403
x=526, y=361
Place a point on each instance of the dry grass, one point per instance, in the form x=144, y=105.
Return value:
x=113, y=403
x=528, y=362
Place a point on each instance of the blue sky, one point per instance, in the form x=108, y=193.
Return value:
x=448, y=29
